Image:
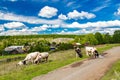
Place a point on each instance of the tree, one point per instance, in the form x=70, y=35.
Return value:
x=107, y=38
x=90, y=38
x=116, y=36
x=99, y=37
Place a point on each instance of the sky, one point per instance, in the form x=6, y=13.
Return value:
x=26, y=17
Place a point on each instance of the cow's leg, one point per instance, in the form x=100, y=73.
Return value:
x=32, y=61
x=46, y=58
x=76, y=55
x=87, y=53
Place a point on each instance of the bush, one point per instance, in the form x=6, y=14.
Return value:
x=41, y=46
x=65, y=46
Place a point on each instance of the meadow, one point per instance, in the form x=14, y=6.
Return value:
x=9, y=71
x=63, y=55
x=113, y=73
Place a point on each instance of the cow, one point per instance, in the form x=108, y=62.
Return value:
x=43, y=55
x=30, y=58
x=90, y=50
x=78, y=52
x=38, y=59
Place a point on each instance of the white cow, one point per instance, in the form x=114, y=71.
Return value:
x=90, y=50
x=43, y=55
x=30, y=57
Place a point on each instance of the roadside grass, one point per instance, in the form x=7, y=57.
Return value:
x=113, y=73
x=9, y=71
x=102, y=48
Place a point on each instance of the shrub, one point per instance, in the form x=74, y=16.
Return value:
x=65, y=46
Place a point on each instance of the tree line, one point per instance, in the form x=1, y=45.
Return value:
x=36, y=44
x=98, y=38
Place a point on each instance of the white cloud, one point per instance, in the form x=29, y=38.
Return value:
x=1, y=28
x=70, y=3
x=92, y=27
x=48, y=12
x=99, y=8
x=31, y=20
x=43, y=27
x=73, y=15
x=111, y=30
x=13, y=0
x=73, y=32
x=17, y=32
x=40, y=28
x=102, y=5
x=85, y=31
x=80, y=15
x=118, y=12
x=73, y=25
x=24, y=30
x=54, y=26
x=76, y=6
x=13, y=25
x=94, y=24
x=77, y=15
x=62, y=17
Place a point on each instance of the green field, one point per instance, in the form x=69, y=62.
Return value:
x=113, y=73
x=9, y=71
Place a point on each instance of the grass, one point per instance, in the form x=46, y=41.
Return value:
x=102, y=48
x=56, y=60
x=12, y=56
x=113, y=73
x=27, y=72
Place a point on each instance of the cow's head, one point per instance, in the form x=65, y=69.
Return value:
x=24, y=62
x=20, y=63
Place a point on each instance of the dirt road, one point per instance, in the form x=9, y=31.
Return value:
x=92, y=69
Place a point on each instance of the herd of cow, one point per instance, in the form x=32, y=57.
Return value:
x=37, y=57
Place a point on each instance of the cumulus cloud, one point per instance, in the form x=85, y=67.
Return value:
x=62, y=17
x=31, y=20
x=86, y=31
x=92, y=27
x=13, y=25
x=1, y=28
x=40, y=28
x=44, y=27
x=17, y=32
x=118, y=12
x=80, y=15
x=82, y=31
x=94, y=24
x=48, y=12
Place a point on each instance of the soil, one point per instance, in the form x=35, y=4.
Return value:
x=90, y=69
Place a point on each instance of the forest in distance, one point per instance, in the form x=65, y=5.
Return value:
x=42, y=42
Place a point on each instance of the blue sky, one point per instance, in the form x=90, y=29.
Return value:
x=24, y=17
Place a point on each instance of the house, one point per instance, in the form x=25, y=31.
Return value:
x=15, y=49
